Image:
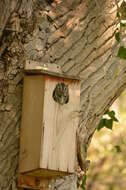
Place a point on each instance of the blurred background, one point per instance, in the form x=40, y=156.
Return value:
x=107, y=153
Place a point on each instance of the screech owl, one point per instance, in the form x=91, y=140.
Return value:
x=61, y=93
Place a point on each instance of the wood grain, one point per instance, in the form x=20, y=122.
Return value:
x=48, y=130
x=31, y=128
x=60, y=124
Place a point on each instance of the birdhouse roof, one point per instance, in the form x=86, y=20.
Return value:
x=34, y=67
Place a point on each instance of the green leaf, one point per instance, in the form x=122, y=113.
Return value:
x=109, y=123
x=101, y=124
x=122, y=52
x=118, y=14
x=118, y=148
x=84, y=182
x=117, y=36
x=122, y=10
x=122, y=24
x=112, y=116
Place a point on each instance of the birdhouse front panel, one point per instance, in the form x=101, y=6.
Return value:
x=60, y=121
x=49, y=124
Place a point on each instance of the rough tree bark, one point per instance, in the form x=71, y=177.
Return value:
x=78, y=35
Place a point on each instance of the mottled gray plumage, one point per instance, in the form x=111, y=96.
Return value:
x=61, y=93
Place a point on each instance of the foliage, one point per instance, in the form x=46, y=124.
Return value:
x=118, y=148
x=122, y=10
x=83, y=185
x=122, y=53
x=107, y=122
x=108, y=152
x=117, y=36
x=121, y=14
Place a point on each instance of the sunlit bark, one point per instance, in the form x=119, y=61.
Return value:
x=78, y=35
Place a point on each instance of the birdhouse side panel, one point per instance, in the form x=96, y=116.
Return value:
x=60, y=119
x=31, y=126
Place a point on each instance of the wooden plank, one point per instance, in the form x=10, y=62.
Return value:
x=48, y=119
x=45, y=173
x=60, y=124
x=74, y=117
x=69, y=119
x=32, y=182
x=34, y=67
x=48, y=129
x=31, y=127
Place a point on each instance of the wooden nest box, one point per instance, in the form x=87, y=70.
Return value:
x=49, y=122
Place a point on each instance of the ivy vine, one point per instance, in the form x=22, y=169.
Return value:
x=119, y=35
x=121, y=15
x=108, y=121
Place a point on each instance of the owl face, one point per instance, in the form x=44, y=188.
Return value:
x=61, y=93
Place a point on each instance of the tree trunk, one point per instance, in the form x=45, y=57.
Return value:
x=78, y=35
